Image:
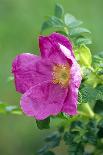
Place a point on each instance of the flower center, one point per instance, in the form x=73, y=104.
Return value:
x=61, y=74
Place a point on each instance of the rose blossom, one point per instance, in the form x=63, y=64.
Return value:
x=50, y=82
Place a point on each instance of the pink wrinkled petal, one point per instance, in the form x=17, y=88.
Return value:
x=63, y=40
x=30, y=70
x=43, y=100
x=53, y=47
x=76, y=75
x=75, y=71
x=70, y=103
x=50, y=49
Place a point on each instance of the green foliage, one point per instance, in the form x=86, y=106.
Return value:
x=98, y=108
x=84, y=56
x=71, y=21
x=59, y=10
x=98, y=65
x=49, y=153
x=67, y=25
x=78, y=31
x=43, y=124
x=9, y=109
x=10, y=78
x=89, y=94
x=52, y=21
x=52, y=141
x=82, y=40
x=83, y=136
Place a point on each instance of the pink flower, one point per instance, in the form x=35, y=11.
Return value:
x=50, y=82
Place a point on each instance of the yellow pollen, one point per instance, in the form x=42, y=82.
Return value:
x=61, y=74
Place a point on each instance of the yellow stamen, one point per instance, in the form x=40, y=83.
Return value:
x=61, y=74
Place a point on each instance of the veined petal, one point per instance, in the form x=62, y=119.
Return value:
x=30, y=70
x=70, y=103
x=43, y=100
x=54, y=47
x=75, y=71
x=63, y=40
x=50, y=49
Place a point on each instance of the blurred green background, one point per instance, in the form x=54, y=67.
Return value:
x=20, y=22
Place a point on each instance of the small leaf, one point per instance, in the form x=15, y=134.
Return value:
x=59, y=10
x=9, y=109
x=85, y=108
x=98, y=108
x=99, y=91
x=87, y=94
x=43, y=150
x=43, y=124
x=93, y=79
x=63, y=33
x=71, y=21
x=10, y=78
x=78, y=31
x=85, y=57
x=49, y=153
x=52, y=22
x=83, y=40
x=53, y=140
x=63, y=116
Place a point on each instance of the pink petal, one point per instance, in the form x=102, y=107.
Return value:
x=70, y=103
x=75, y=71
x=30, y=70
x=63, y=40
x=43, y=100
x=50, y=49
x=76, y=75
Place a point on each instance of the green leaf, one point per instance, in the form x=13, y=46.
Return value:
x=99, y=91
x=63, y=33
x=52, y=141
x=87, y=94
x=49, y=153
x=86, y=109
x=59, y=10
x=52, y=22
x=43, y=124
x=10, y=78
x=100, y=132
x=85, y=57
x=78, y=31
x=98, y=108
x=83, y=40
x=43, y=150
x=71, y=21
x=9, y=109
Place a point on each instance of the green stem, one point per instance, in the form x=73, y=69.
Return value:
x=86, y=109
x=66, y=30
